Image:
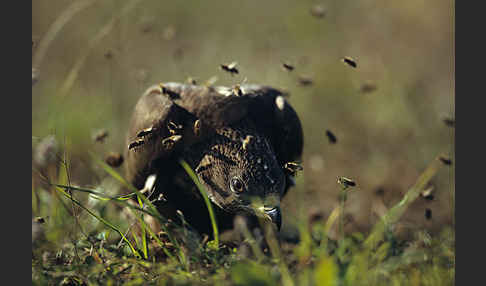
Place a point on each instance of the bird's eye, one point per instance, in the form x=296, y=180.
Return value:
x=236, y=185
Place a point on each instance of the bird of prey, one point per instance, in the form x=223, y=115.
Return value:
x=238, y=144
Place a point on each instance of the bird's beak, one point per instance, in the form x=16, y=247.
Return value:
x=275, y=216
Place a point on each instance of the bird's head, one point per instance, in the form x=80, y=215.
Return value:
x=242, y=174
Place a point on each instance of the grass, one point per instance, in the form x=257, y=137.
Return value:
x=86, y=233
x=111, y=255
x=203, y=193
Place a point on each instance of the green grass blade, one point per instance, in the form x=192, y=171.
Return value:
x=96, y=195
x=105, y=222
x=143, y=226
x=109, y=198
x=132, y=207
x=201, y=189
x=395, y=213
x=118, y=177
x=153, y=210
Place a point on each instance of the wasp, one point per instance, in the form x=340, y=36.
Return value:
x=237, y=90
x=288, y=67
x=170, y=141
x=136, y=143
x=197, y=127
x=101, y=135
x=367, y=87
x=145, y=132
x=305, y=80
x=114, y=159
x=293, y=167
x=108, y=55
x=247, y=141
x=428, y=194
x=351, y=62
x=332, y=138
x=346, y=182
x=231, y=68
x=451, y=122
x=39, y=219
x=173, y=128
x=162, y=198
x=445, y=160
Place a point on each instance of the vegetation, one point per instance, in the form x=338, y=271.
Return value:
x=387, y=113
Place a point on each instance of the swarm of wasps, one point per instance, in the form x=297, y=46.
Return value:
x=169, y=142
x=174, y=130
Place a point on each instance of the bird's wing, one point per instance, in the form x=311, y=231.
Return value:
x=276, y=118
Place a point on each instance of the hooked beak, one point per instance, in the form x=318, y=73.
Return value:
x=275, y=216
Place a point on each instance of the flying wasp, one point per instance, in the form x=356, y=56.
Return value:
x=100, y=136
x=332, y=138
x=288, y=67
x=114, y=159
x=349, y=61
x=445, y=160
x=428, y=194
x=367, y=87
x=346, y=182
x=305, y=80
x=451, y=122
x=231, y=68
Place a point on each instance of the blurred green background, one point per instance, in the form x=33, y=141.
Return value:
x=99, y=56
